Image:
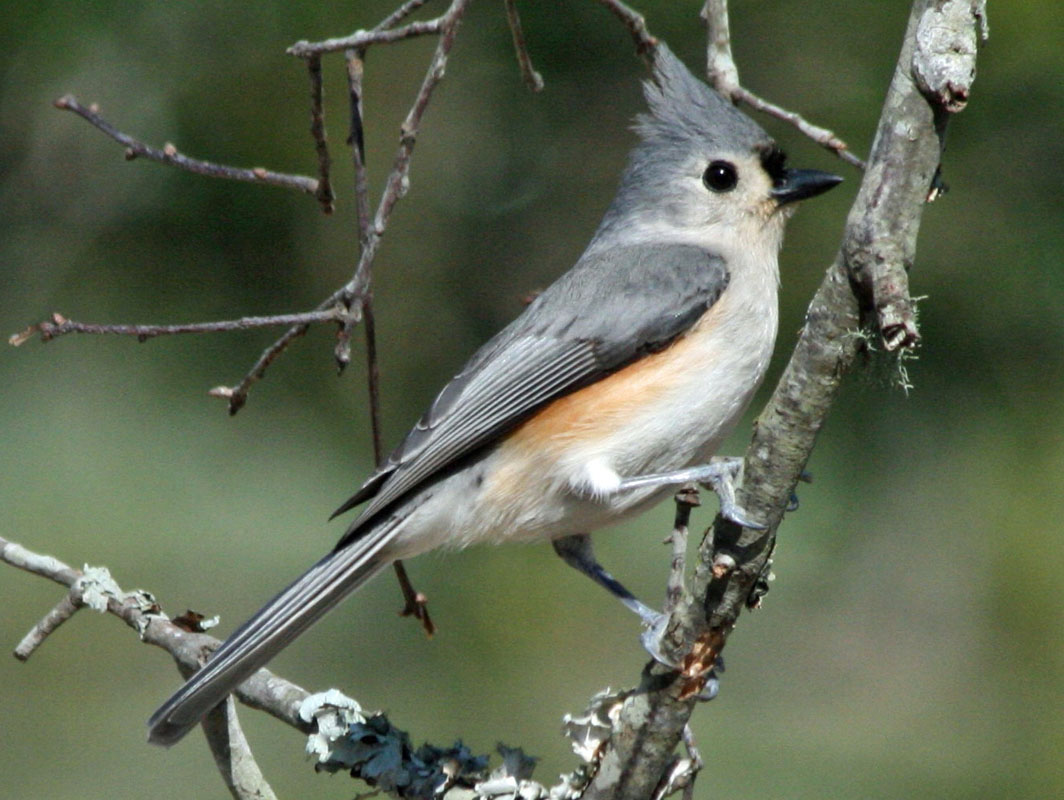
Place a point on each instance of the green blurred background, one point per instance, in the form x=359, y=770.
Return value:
x=912, y=643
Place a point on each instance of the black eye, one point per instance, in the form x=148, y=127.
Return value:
x=720, y=176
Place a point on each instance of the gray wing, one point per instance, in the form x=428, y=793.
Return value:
x=606, y=312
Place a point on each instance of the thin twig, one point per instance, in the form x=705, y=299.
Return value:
x=373, y=377
x=351, y=294
x=401, y=13
x=362, y=39
x=697, y=763
x=398, y=180
x=822, y=136
x=169, y=154
x=238, y=395
x=63, y=610
x=59, y=325
x=416, y=604
x=317, y=131
x=356, y=138
x=724, y=75
x=645, y=43
x=532, y=79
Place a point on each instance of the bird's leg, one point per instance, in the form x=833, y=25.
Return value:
x=576, y=551
x=719, y=475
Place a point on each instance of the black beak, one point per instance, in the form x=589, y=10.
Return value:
x=798, y=184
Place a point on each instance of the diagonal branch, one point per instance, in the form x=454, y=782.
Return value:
x=635, y=23
x=376, y=751
x=724, y=76
x=532, y=79
x=169, y=154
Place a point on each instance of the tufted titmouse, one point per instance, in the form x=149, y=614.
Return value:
x=616, y=384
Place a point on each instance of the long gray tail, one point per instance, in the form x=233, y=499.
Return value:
x=268, y=632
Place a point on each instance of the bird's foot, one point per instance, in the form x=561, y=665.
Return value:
x=719, y=475
x=655, y=626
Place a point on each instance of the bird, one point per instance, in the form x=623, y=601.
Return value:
x=615, y=385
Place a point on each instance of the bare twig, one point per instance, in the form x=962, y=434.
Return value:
x=63, y=610
x=351, y=295
x=720, y=66
x=645, y=43
x=401, y=13
x=238, y=395
x=317, y=131
x=416, y=604
x=362, y=39
x=59, y=325
x=398, y=181
x=724, y=76
x=356, y=138
x=822, y=136
x=232, y=754
x=532, y=79
x=139, y=611
x=373, y=378
x=695, y=757
x=169, y=154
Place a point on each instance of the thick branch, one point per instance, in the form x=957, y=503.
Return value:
x=169, y=155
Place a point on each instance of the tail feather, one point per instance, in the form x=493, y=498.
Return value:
x=269, y=631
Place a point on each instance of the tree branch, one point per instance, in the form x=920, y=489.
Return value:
x=317, y=131
x=59, y=325
x=724, y=76
x=370, y=748
x=353, y=293
x=635, y=23
x=532, y=79
x=169, y=154
x=360, y=40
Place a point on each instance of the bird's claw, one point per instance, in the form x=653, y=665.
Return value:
x=655, y=626
x=740, y=516
x=722, y=481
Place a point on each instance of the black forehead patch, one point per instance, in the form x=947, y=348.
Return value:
x=774, y=162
